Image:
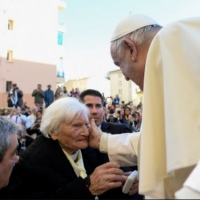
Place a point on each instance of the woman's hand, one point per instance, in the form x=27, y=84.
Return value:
x=106, y=177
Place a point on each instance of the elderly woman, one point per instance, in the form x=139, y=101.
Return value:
x=59, y=164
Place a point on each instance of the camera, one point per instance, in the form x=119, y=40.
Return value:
x=119, y=112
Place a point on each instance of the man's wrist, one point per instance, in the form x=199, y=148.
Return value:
x=103, y=142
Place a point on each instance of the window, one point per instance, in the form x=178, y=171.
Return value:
x=119, y=83
x=60, y=71
x=10, y=56
x=10, y=24
x=119, y=75
x=8, y=86
x=120, y=91
x=60, y=38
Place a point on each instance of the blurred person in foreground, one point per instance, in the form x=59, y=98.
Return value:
x=59, y=164
x=162, y=61
x=8, y=150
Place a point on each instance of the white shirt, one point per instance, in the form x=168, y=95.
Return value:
x=30, y=120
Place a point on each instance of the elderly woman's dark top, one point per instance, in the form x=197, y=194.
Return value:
x=44, y=172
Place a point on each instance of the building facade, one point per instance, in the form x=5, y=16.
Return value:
x=29, y=46
x=114, y=84
x=97, y=83
x=127, y=90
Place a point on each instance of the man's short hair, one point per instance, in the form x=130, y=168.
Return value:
x=7, y=128
x=14, y=84
x=91, y=92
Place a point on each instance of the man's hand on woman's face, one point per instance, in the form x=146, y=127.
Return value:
x=95, y=135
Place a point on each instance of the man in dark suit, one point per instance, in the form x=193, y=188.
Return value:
x=11, y=101
x=94, y=101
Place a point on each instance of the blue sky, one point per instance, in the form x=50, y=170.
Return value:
x=90, y=24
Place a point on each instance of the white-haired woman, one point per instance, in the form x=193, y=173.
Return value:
x=59, y=164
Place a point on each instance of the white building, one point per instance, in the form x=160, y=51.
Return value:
x=127, y=90
x=31, y=46
x=96, y=82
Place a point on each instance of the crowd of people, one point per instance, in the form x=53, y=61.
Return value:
x=42, y=98
x=29, y=118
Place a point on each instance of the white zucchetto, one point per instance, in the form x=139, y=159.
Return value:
x=130, y=24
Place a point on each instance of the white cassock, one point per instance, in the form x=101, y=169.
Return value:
x=169, y=146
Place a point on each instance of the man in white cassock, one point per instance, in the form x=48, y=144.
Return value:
x=165, y=63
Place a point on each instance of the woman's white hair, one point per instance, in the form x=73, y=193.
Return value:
x=62, y=110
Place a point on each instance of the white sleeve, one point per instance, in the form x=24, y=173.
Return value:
x=191, y=187
x=121, y=148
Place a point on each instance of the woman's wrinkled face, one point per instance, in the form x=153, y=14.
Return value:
x=74, y=136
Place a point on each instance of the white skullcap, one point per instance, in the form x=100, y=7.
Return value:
x=130, y=24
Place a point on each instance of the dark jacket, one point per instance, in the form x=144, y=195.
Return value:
x=10, y=103
x=48, y=97
x=20, y=99
x=39, y=96
x=114, y=128
x=44, y=172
